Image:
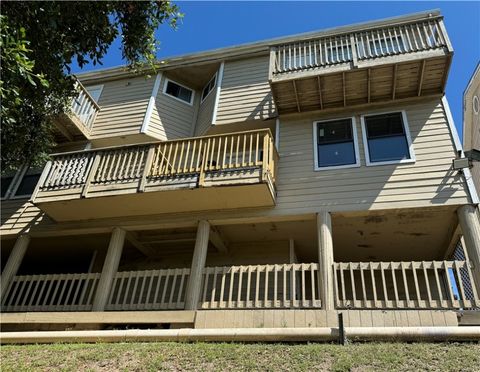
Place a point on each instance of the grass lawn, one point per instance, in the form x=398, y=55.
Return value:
x=244, y=357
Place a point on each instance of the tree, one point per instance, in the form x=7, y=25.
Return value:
x=39, y=42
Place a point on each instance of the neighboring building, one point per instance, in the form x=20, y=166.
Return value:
x=471, y=121
x=311, y=172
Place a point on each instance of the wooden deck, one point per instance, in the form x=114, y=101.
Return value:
x=77, y=124
x=384, y=64
x=202, y=173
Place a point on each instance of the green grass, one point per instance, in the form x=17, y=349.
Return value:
x=242, y=357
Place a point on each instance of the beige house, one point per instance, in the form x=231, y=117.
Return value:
x=471, y=121
x=265, y=185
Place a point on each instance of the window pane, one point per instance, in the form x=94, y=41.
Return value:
x=388, y=148
x=185, y=94
x=28, y=184
x=336, y=154
x=172, y=89
x=384, y=125
x=5, y=183
x=179, y=92
x=334, y=131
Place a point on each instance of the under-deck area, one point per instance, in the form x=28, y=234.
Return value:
x=386, y=63
x=394, y=261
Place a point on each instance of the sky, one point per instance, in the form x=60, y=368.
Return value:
x=210, y=25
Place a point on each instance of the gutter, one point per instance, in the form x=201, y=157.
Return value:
x=247, y=335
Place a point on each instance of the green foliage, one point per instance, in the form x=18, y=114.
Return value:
x=39, y=42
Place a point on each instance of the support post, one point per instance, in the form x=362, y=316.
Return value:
x=109, y=269
x=470, y=225
x=194, y=285
x=13, y=262
x=325, y=260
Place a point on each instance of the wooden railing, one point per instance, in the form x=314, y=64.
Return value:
x=415, y=285
x=148, y=163
x=55, y=292
x=261, y=286
x=149, y=290
x=84, y=107
x=360, y=45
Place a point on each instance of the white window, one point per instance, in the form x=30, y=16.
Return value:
x=178, y=91
x=20, y=183
x=335, y=144
x=209, y=87
x=95, y=91
x=386, y=139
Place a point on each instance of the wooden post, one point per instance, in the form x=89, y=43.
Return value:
x=470, y=224
x=194, y=285
x=13, y=262
x=109, y=269
x=325, y=259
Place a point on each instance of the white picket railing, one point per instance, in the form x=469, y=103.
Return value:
x=406, y=285
x=51, y=292
x=149, y=290
x=84, y=107
x=357, y=46
x=261, y=286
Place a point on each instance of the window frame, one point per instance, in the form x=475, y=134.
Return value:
x=98, y=86
x=406, y=128
x=214, y=77
x=357, y=163
x=15, y=184
x=164, y=91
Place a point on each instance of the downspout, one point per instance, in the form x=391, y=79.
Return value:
x=247, y=334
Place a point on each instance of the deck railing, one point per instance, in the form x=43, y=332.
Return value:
x=84, y=107
x=356, y=46
x=409, y=285
x=261, y=286
x=149, y=290
x=55, y=292
x=147, y=163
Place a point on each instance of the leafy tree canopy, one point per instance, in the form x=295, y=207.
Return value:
x=40, y=40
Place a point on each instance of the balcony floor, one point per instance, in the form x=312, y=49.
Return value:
x=342, y=86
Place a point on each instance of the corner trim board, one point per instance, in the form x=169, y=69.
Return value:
x=217, y=97
x=459, y=148
x=151, y=103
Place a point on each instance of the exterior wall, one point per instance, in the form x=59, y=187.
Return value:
x=205, y=114
x=123, y=105
x=171, y=118
x=19, y=214
x=471, y=126
x=427, y=182
x=245, y=93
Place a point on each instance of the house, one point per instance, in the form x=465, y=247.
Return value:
x=471, y=124
x=267, y=185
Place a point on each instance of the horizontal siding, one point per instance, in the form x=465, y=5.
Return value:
x=19, y=214
x=123, y=104
x=475, y=132
x=428, y=181
x=245, y=93
x=205, y=114
x=171, y=119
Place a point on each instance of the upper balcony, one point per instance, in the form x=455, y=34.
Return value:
x=165, y=177
x=385, y=62
x=77, y=123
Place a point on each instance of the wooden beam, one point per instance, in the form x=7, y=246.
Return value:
x=470, y=225
x=368, y=85
x=13, y=262
x=394, y=81
x=133, y=239
x=291, y=251
x=320, y=92
x=61, y=128
x=296, y=95
x=325, y=256
x=420, y=82
x=218, y=240
x=344, y=90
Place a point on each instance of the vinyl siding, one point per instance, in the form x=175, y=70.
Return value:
x=475, y=132
x=205, y=114
x=245, y=93
x=123, y=104
x=427, y=182
x=171, y=118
